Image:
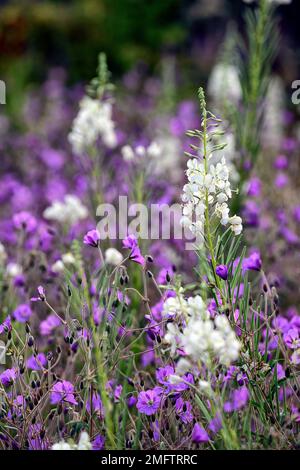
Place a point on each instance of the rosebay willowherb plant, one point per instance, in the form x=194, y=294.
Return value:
x=123, y=355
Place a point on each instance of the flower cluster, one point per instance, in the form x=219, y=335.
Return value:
x=68, y=211
x=94, y=120
x=207, y=189
x=201, y=338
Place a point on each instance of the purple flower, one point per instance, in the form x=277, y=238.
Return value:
x=48, y=325
x=215, y=424
x=131, y=243
x=251, y=213
x=92, y=238
x=281, y=180
x=22, y=313
x=238, y=400
x=281, y=162
x=254, y=187
x=295, y=357
x=8, y=377
x=296, y=213
x=63, y=391
x=6, y=325
x=199, y=434
x=184, y=410
x=35, y=363
x=253, y=262
x=149, y=401
x=41, y=293
x=280, y=372
x=25, y=221
x=97, y=406
x=131, y=401
x=291, y=339
x=291, y=237
x=98, y=442
x=222, y=271
x=118, y=393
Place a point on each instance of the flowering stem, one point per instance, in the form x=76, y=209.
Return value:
x=207, y=218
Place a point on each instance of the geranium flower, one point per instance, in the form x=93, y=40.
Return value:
x=8, y=377
x=63, y=391
x=149, y=401
x=131, y=243
x=25, y=221
x=6, y=325
x=92, y=238
x=291, y=339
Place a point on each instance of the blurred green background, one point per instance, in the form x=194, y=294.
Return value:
x=36, y=35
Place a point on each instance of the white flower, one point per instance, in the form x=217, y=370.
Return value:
x=68, y=258
x=70, y=211
x=127, y=153
x=236, y=224
x=58, y=266
x=62, y=445
x=173, y=306
x=113, y=256
x=94, y=120
x=183, y=366
x=273, y=125
x=224, y=84
x=210, y=187
x=154, y=150
x=84, y=442
x=175, y=379
x=205, y=387
x=13, y=269
x=172, y=337
x=202, y=338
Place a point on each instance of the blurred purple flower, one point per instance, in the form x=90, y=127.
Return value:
x=49, y=324
x=199, y=434
x=238, y=400
x=25, y=221
x=281, y=180
x=222, y=271
x=254, y=187
x=253, y=262
x=98, y=442
x=34, y=362
x=281, y=162
x=22, y=313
